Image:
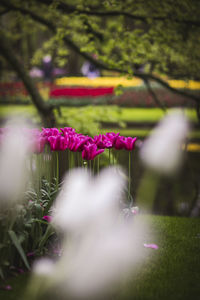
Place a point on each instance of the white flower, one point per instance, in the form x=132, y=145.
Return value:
x=85, y=199
x=162, y=151
x=43, y=267
x=99, y=248
x=14, y=149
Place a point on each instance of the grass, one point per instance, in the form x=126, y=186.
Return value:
x=142, y=132
x=172, y=272
x=105, y=113
x=122, y=114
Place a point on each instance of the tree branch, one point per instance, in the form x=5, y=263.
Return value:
x=8, y=53
x=25, y=11
x=114, y=13
x=154, y=96
x=97, y=63
x=5, y=11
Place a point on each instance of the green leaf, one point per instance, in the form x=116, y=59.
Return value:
x=1, y=273
x=18, y=246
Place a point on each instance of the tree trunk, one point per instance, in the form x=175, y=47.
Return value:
x=44, y=110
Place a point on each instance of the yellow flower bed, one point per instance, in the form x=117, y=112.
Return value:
x=115, y=81
x=100, y=81
x=180, y=84
x=193, y=147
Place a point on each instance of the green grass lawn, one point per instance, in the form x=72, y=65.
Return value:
x=141, y=133
x=123, y=114
x=84, y=118
x=172, y=272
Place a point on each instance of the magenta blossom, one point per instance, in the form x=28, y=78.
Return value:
x=119, y=143
x=50, y=132
x=40, y=144
x=68, y=130
x=47, y=218
x=102, y=141
x=77, y=142
x=57, y=143
x=112, y=136
x=90, y=151
x=130, y=143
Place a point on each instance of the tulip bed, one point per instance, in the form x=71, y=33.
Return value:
x=68, y=138
x=171, y=272
x=27, y=236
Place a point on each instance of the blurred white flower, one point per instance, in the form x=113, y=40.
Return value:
x=85, y=199
x=99, y=248
x=162, y=151
x=14, y=149
x=43, y=267
x=92, y=264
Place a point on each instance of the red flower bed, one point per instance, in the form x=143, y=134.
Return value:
x=81, y=92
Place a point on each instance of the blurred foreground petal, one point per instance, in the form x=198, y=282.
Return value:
x=152, y=246
x=99, y=248
x=14, y=150
x=162, y=151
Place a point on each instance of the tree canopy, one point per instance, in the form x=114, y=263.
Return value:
x=146, y=39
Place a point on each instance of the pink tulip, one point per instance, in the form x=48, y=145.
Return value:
x=68, y=130
x=112, y=136
x=102, y=141
x=90, y=151
x=130, y=143
x=119, y=143
x=57, y=143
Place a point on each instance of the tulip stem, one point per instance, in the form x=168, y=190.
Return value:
x=94, y=165
x=129, y=173
x=77, y=158
x=90, y=164
x=57, y=170
x=113, y=157
x=69, y=159
x=82, y=161
x=98, y=164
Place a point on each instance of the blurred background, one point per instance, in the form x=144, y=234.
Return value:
x=101, y=66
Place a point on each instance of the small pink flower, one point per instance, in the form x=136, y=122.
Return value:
x=152, y=246
x=134, y=210
x=47, y=218
x=30, y=254
x=7, y=287
x=20, y=270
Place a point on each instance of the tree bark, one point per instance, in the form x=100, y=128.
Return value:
x=44, y=110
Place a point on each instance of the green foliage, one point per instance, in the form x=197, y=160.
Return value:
x=160, y=36
x=27, y=232
x=87, y=119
